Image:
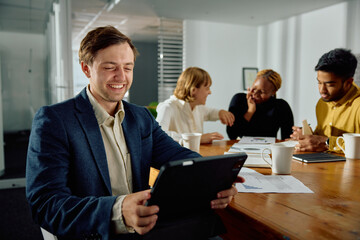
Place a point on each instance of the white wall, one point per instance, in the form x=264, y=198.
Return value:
x=280, y=52
x=23, y=78
x=353, y=25
x=293, y=47
x=320, y=33
x=2, y=159
x=222, y=50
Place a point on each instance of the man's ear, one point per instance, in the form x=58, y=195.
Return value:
x=85, y=68
x=348, y=83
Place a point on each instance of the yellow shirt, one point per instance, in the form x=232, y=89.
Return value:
x=337, y=117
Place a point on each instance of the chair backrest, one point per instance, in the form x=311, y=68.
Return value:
x=47, y=235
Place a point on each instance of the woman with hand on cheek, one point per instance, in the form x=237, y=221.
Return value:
x=259, y=112
x=185, y=111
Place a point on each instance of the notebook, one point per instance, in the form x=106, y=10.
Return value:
x=318, y=157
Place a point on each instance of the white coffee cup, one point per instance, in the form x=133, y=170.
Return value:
x=352, y=145
x=191, y=141
x=281, y=157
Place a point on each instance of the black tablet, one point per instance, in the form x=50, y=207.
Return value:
x=318, y=157
x=187, y=186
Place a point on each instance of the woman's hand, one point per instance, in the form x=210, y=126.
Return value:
x=209, y=137
x=226, y=117
x=251, y=106
x=250, y=101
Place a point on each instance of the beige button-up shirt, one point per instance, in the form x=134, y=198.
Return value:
x=117, y=156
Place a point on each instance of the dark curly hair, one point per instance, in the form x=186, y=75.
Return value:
x=339, y=61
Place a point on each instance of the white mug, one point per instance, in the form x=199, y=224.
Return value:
x=281, y=157
x=352, y=145
x=191, y=141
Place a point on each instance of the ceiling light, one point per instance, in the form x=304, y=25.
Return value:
x=123, y=21
x=111, y=4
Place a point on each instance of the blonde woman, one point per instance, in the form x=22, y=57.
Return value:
x=259, y=112
x=185, y=111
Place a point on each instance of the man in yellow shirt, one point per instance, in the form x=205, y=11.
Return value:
x=338, y=109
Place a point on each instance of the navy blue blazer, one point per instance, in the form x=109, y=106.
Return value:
x=67, y=178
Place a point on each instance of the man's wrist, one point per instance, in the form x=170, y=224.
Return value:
x=118, y=219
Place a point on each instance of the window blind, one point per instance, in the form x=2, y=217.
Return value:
x=170, y=56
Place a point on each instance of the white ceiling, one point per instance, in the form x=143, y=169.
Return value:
x=139, y=19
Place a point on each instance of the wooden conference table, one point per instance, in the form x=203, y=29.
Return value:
x=331, y=212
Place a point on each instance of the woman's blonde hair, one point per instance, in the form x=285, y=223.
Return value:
x=271, y=76
x=192, y=77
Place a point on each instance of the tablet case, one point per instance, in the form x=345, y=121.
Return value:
x=187, y=186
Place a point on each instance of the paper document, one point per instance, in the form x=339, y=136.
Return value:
x=258, y=140
x=244, y=171
x=258, y=183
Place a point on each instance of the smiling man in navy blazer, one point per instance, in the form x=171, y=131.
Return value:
x=89, y=157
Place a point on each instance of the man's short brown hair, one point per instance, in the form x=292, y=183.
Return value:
x=101, y=38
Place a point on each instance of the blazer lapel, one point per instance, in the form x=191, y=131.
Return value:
x=133, y=140
x=88, y=122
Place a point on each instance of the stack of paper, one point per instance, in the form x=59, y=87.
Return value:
x=256, y=140
x=254, y=147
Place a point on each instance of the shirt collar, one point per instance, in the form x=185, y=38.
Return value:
x=102, y=116
x=181, y=103
x=349, y=96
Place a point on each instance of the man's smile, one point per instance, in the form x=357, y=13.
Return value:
x=119, y=86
